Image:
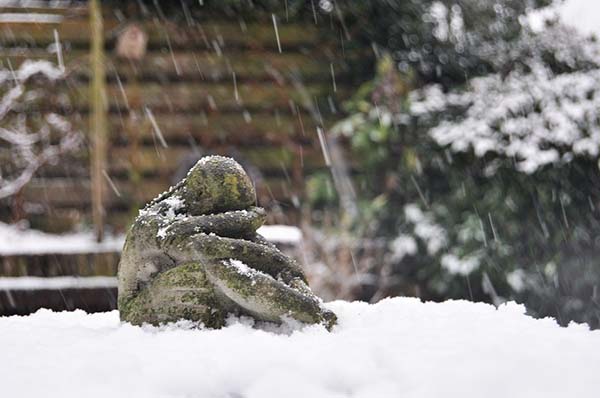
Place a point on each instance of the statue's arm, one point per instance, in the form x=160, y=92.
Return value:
x=264, y=297
x=237, y=223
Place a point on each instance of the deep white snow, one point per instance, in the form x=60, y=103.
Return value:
x=396, y=348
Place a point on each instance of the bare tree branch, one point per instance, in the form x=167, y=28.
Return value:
x=29, y=150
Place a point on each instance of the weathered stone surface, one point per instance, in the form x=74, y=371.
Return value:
x=193, y=253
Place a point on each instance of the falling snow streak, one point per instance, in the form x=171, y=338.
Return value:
x=300, y=121
x=483, y=234
x=175, y=64
x=564, y=213
x=236, y=94
x=276, y=32
x=342, y=22
x=122, y=89
x=155, y=127
x=324, y=148
x=418, y=188
x=59, y=54
x=314, y=11
x=493, y=227
x=333, y=77
x=111, y=183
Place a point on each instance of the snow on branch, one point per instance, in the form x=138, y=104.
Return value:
x=540, y=113
x=28, y=150
x=537, y=118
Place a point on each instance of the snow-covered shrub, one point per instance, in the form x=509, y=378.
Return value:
x=486, y=188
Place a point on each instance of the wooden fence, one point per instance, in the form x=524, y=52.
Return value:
x=212, y=85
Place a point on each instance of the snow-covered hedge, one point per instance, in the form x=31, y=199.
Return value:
x=485, y=187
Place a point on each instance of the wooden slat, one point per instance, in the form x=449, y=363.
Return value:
x=148, y=160
x=52, y=265
x=67, y=8
x=222, y=128
x=266, y=128
x=214, y=34
x=190, y=97
x=186, y=96
x=198, y=65
x=167, y=160
x=254, y=64
x=75, y=193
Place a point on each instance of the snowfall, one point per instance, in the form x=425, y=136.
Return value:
x=398, y=347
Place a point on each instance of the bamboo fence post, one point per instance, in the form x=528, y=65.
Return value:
x=98, y=117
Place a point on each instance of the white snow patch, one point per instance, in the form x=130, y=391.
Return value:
x=402, y=246
x=57, y=283
x=286, y=234
x=516, y=279
x=457, y=265
x=396, y=348
x=162, y=232
x=584, y=15
x=16, y=241
x=174, y=203
x=425, y=229
x=241, y=267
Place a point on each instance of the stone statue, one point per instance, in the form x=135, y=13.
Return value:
x=193, y=253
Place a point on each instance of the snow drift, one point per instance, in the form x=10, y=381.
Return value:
x=397, y=348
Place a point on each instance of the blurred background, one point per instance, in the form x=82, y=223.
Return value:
x=440, y=149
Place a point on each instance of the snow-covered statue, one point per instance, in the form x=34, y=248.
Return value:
x=194, y=253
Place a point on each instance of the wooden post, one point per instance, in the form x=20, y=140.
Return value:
x=98, y=117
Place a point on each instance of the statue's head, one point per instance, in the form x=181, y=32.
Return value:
x=216, y=184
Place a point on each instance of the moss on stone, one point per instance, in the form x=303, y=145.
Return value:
x=217, y=184
x=182, y=292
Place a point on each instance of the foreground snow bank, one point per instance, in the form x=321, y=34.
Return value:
x=396, y=348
